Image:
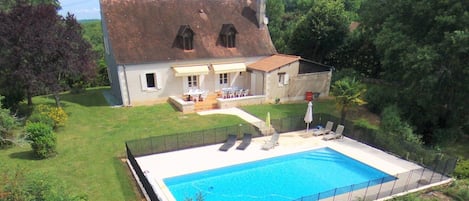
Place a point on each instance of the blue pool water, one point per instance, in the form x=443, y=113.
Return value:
x=280, y=178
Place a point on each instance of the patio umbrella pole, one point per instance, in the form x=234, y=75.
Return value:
x=309, y=116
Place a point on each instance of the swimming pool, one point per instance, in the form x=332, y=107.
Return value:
x=280, y=178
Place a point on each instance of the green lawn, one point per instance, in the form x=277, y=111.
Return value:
x=278, y=111
x=92, y=142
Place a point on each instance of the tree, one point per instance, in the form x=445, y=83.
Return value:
x=348, y=92
x=93, y=33
x=320, y=31
x=423, y=46
x=357, y=52
x=8, y=4
x=42, y=52
x=275, y=10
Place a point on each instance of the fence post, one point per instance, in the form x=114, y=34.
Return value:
x=444, y=170
x=421, y=175
x=351, y=192
x=394, y=185
x=366, y=190
x=335, y=191
x=381, y=185
x=408, y=179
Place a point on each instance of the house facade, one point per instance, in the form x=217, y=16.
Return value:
x=158, y=49
x=182, y=50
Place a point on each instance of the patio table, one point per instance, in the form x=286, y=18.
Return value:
x=194, y=93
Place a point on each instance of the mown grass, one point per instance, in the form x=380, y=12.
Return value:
x=91, y=143
x=279, y=111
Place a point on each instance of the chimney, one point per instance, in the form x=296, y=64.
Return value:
x=260, y=14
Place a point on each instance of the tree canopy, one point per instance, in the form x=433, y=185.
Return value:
x=93, y=33
x=424, y=48
x=321, y=31
x=42, y=52
x=8, y=4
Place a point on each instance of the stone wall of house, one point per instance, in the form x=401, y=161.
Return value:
x=311, y=82
x=276, y=89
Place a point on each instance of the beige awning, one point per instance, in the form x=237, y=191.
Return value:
x=229, y=68
x=191, y=70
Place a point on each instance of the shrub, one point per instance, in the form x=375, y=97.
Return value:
x=7, y=123
x=462, y=169
x=43, y=139
x=392, y=124
x=458, y=190
x=57, y=114
x=364, y=123
x=19, y=184
x=42, y=118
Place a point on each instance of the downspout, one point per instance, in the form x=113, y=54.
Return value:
x=126, y=85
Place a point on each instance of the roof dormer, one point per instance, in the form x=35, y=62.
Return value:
x=228, y=35
x=185, y=37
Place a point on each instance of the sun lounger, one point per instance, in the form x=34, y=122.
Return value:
x=335, y=135
x=246, y=141
x=230, y=142
x=324, y=131
x=272, y=142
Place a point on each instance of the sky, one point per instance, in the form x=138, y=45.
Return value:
x=82, y=9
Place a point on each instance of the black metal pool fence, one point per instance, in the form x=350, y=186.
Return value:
x=437, y=167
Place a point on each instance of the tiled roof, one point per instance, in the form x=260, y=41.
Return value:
x=144, y=31
x=273, y=62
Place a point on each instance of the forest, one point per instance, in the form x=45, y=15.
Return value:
x=411, y=54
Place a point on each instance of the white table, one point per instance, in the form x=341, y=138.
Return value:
x=194, y=93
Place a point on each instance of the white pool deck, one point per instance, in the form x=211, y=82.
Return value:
x=164, y=165
x=186, y=161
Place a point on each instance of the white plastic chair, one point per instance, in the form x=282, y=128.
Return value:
x=246, y=92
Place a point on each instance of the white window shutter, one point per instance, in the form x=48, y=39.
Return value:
x=143, y=81
x=159, y=82
x=285, y=79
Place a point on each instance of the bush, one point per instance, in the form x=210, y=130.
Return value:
x=462, y=169
x=57, y=114
x=43, y=139
x=18, y=184
x=392, y=124
x=41, y=118
x=364, y=123
x=458, y=190
x=7, y=123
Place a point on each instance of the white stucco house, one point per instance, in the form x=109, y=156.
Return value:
x=160, y=51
